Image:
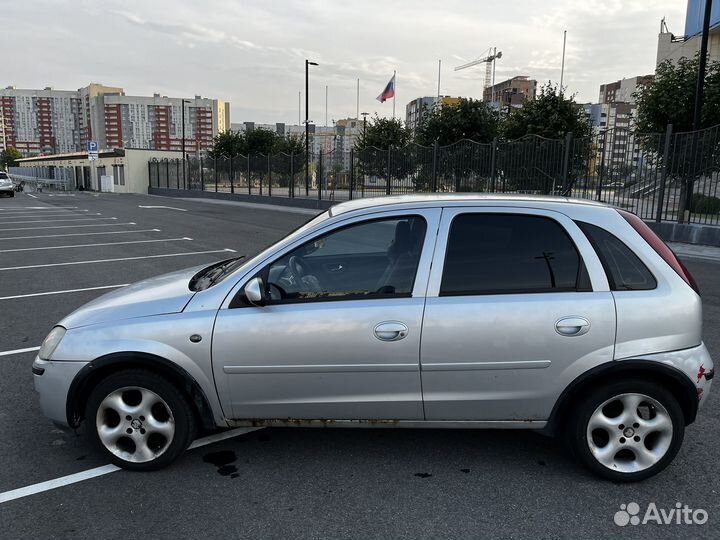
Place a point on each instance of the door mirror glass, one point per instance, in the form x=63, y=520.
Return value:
x=255, y=292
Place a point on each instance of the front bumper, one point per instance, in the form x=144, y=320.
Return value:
x=52, y=382
x=7, y=189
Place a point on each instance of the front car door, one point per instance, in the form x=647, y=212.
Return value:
x=518, y=305
x=340, y=335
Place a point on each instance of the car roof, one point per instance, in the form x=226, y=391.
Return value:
x=471, y=199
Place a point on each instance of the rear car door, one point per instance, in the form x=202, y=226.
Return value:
x=340, y=336
x=518, y=306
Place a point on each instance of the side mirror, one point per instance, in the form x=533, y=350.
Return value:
x=254, y=291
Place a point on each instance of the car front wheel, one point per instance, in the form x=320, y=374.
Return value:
x=627, y=431
x=139, y=420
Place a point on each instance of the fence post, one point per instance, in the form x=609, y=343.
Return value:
x=177, y=174
x=603, y=139
x=149, y=175
x=269, y=177
x=663, y=174
x=232, y=183
x=215, y=167
x=436, y=149
x=167, y=173
x=291, y=187
x=352, y=173
x=387, y=182
x=248, y=174
x=319, y=176
x=566, y=160
x=493, y=162
x=202, y=175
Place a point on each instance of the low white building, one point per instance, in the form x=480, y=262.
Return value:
x=127, y=168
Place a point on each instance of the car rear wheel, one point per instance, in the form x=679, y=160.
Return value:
x=139, y=420
x=627, y=431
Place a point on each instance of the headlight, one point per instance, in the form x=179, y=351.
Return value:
x=51, y=342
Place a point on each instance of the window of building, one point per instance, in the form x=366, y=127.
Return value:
x=372, y=259
x=510, y=253
x=625, y=271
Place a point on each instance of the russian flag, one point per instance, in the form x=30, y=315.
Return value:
x=389, y=91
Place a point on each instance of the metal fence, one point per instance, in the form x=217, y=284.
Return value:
x=670, y=176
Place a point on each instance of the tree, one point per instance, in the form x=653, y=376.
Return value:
x=468, y=119
x=670, y=99
x=227, y=143
x=383, y=133
x=9, y=157
x=551, y=114
x=376, y=149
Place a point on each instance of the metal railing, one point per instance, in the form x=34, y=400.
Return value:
x=664, y=177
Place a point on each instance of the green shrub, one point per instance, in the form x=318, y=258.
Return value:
x=703, y=204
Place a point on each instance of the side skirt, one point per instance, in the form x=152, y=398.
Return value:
x=414, y=424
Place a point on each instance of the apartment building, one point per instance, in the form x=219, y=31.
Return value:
x=53, y=121
x=622, y=91
x=672, y=47
x=511, y=92
x=418, y=108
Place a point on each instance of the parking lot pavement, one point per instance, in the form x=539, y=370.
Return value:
x=294, y=483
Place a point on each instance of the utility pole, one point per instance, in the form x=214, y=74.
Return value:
x=562, y=66
x=326, y=103
x=308, y=63
x=697, y=113
x=438, y=92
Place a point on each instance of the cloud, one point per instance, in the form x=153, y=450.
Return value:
x=252, y=52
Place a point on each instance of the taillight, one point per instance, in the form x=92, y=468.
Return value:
x=660, y=248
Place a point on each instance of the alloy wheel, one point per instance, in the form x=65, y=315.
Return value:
x=135, y=424
x=629, y=432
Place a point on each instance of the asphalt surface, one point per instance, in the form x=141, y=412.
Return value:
x=291, y=483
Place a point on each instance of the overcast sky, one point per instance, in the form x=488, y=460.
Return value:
x=251, y=53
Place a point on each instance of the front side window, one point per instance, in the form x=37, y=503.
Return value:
x=373, y=259
x=510, y=253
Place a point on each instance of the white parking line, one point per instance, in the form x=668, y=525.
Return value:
x=54, y=215
x=63, y=292
x=163, y=207
x=29, y=195
x=19, y=351
x=14, y=208
x=69, y=226
x=97, y=245
x=79, y=234
x=43, y=214
x=226, y=250
x=106, y=469
x=55, y=220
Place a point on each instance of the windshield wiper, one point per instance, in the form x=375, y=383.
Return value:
x=209, y=276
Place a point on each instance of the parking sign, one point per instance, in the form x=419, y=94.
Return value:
x=92, y=148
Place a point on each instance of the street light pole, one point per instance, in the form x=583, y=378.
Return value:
x=184, y=101
x=308, y=63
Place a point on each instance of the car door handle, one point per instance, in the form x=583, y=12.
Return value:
x=572, y=326
x=390, y=331
x=333, y=267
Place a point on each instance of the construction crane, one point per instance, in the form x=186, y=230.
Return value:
x=488, y=59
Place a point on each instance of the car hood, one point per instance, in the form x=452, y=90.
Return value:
x=168, y=293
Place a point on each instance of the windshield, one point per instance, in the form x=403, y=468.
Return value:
x=217, y=272
x=4, y=176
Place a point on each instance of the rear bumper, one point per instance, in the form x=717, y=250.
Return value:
x=695, y=363
x=52, y=382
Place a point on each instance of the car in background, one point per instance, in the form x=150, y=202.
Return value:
x=563, y=316
x=6, y=185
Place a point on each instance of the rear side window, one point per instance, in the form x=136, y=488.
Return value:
x=625, y=271
x=510, y=253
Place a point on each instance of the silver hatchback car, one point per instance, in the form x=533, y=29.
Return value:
x=423, y=311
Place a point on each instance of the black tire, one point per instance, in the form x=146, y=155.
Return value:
x=12, y=193
x=185, y=422
x=576, y=428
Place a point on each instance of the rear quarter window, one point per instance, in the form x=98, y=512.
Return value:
x=625, y=271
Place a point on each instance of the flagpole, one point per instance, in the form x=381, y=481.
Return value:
x=438, y=94
x=357, y=110
x=394, y=93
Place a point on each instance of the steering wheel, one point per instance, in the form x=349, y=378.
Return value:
x=298, y=268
